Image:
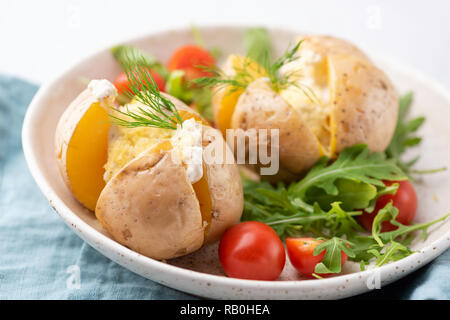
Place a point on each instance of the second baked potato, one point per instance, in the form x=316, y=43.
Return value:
x=335, y=98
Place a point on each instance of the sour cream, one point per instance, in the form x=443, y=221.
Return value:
x=102, y=89
x=187, y=142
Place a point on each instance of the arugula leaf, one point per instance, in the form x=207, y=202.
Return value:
x=388, y=213
x=320, y=205
x=393, y=252
x=355, y=163
x=123, y=54
x=331, y=262
x=201, y=97
x=290, y=217
x=404, y=230
x=404, y=135
x=257, y=44
x=381, y=191
x=361, y=245
x=175, y=86
x=351, y=193
x=343, y=223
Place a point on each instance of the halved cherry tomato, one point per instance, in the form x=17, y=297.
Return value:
x=188, y=58
x=301, y=255
x=405, y=200
x=252, y=250
x=122, y=84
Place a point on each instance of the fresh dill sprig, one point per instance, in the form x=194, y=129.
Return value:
x=122, y=52
x=251, y=70
x=278, y=79
x=161, y=112
x=243, y=76
x=219, y=79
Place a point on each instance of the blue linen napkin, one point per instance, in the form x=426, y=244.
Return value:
x=40, y=258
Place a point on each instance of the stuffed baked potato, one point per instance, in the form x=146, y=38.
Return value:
x=335, y=97
x=145, y=190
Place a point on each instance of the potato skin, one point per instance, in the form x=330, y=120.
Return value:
x=364, y=104
x=151, y=207
x=328, y=46
x=259, y=107
x=363, y=107
x=67, y=125
x=224, y=184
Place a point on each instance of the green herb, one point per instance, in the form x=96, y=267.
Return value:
x=124, y=53
x=281, y=80
x=393, y=252
x=197, y=35
x=405, y=137
x=272, y=70
x=325, y=203
x=175, y=86
x=201, y=97
x=160, y=111
x=331, y=262
x=257, y=43
x=388, y=213
x=241, y=79
x=354, y=163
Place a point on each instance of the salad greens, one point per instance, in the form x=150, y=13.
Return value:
x=124, y=53
x=404, y=135
x=257, y=44
x=325, y=202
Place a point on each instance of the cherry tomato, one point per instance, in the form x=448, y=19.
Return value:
x=188, y=58
x=405, y=200
x=301, y=255
x=252, y=250
x=122, y=84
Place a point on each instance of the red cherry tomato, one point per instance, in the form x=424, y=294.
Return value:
x=405, y=200
x=301, y=255
x=122, y=84
x=188, y=58
x=252, y=250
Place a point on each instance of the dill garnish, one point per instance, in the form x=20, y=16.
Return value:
x=160, y=111
x=252, y=70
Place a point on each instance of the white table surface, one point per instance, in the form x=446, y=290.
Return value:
x=39, y=38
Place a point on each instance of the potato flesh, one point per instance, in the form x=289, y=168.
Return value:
x=127, y=143
x=226, y=110
x=89, y=141
x=201, y=189
x=234, y=66
x=313, y=102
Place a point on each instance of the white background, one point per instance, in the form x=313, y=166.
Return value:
x=39, y=38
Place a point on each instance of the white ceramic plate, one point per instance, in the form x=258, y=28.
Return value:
x=200, y=272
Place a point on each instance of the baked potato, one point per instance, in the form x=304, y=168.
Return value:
x=335, y=98
x=145, y=190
